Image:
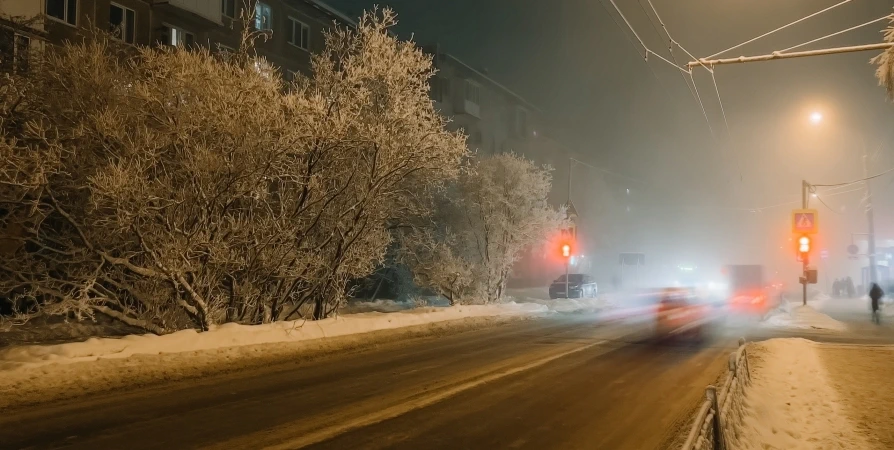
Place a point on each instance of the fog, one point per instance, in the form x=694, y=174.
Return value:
x=701, y=193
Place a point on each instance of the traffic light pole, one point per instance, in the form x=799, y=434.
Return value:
x=805, y=192
x=566, y=278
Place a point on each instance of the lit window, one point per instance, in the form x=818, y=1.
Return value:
x=300, y=34
x=180, y=37
x=122, y=22
x=263, y=16
x=63, y=10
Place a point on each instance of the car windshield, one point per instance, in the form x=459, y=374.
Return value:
x=573, y=278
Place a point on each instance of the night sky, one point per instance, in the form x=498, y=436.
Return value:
x=575, y=59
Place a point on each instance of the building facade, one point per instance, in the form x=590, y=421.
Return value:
x=295, y=27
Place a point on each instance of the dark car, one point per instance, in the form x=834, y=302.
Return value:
x=579, y=286
x=679, y=313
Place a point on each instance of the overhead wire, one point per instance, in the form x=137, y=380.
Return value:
x=722, y=110
x=618, y=24
x=794, y=202
x=885, y=17
x=646, y=49
x=843, y=2
x=856, y=181
x=704, y=111
x=693, y=89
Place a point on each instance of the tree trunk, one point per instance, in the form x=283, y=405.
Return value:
x=319, y=311
x=378, y=286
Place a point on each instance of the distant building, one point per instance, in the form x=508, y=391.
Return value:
x=495, y=118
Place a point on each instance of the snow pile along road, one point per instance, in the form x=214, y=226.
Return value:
x=804, y=317
x=38, y=374
x=793, y=402
x=236, y=335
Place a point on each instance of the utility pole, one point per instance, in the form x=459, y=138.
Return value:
x=787, y=55
x=873, y=276
x=566, y=278
x=805, y=196
x=570, y=164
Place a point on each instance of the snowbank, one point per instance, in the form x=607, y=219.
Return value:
x=804, y=317
x=236, y=335
x=38, y=374
x=792, y=402
x=567, y=305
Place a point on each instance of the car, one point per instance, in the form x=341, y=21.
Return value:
x=578, y=286
x=680, y=314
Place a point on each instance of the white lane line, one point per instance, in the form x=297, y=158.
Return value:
x=327, y=433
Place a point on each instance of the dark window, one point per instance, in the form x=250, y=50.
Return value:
x=440, y=89
x=122, y=22
x=300, y=34
x=64, y=10
x=228, y=8
x=14, y=51
x=573, y=278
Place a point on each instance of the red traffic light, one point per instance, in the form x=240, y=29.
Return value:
x=566, y=250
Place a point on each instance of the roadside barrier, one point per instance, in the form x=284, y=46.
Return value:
x=717, y=420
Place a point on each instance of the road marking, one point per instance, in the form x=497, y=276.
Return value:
x=326, y=433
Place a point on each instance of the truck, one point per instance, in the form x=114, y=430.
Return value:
x=748, y=293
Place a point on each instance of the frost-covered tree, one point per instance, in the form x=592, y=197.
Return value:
x=885, y=61
x=172, y=188
x=485, y=222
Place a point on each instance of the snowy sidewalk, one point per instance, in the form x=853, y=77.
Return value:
x=807, y=395
x=804, y=317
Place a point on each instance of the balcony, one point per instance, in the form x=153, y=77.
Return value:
x=208, y=9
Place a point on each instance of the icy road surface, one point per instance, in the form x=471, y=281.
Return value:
x=562, y=382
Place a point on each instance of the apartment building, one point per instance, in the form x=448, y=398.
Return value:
x=295, y=26
x=496, y=119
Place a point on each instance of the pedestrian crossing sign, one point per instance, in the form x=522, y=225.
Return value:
x=804, y=221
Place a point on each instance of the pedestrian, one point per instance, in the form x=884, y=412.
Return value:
x=836, y=288
x=851, y=291
x=875, y=295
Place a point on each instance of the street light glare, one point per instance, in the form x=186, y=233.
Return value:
x=816, y=117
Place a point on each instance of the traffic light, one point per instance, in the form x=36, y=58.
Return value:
x=804, y=245
x=566, y=250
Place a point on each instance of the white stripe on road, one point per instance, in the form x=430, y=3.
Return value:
x=412, y=404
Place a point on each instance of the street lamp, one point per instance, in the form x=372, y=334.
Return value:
x=816, y=117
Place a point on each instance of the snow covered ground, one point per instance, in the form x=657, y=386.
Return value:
x=235, y=335
x=33, y=373
x=37, y=373
x=540, y=296
x=807, y=395
x=804, y=317
x=792, y=402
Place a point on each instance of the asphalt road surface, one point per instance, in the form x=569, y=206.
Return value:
x=571, y=382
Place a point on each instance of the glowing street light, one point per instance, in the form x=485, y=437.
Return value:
x=816, y=117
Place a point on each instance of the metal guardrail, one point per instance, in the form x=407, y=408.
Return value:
x=721, y=411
